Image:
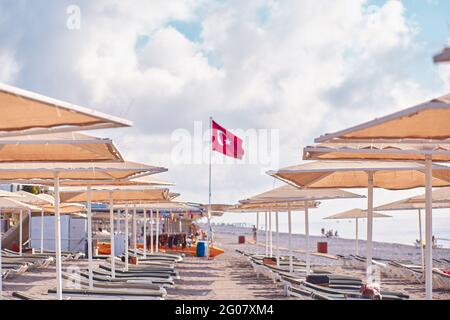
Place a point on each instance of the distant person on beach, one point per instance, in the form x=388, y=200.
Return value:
x=323, y=231
x=336, y=234
x=254, y=233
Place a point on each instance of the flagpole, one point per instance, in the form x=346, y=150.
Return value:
x=209, y=234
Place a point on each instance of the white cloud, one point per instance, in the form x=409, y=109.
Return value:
x=305, y=67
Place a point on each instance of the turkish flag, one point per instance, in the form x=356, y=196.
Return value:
x=225, y=142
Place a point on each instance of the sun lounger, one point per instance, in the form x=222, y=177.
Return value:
x=28, y=296
x=133, y=274
x=107, y=279
x=79, y=279
x=122, y=294
x=136, y=278
x=144, y=272
x=156, y=256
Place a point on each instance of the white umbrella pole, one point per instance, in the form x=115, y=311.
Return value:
x=421, y=240
x=157, y=231
x=267, y=234
x=20, y=232
x=1, y=269
x=428, y=230
x=369, y=227
x=257, y=238
x=291, y=265
x=278, y=238
x=126, y=238
x=151, y=231
x=89, y=236
x=58, y=239
x=308, y=253
x=357, y=236
x=145, y=233
x=111, y=230
x=42, y=230
x=270, y=235
x=134, y=228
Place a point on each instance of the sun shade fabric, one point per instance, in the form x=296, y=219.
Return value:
x=168, y=206
x=378, y=151
x=354, y=174
x=289, y=193
x=355, y=214
x=35, y=199
x=58, y=147
x=275, y=206
x=406, y=204
x=65, y=208
x=118, y=196
x=8, y=205
x=25, y=112
x=74, y=171
x=74, y=185
x=428, y=120
x=8, y=194
x=441, y=195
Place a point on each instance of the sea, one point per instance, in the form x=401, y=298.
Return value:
x=399, y=228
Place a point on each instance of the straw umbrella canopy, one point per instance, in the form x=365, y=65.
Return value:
x=426, y=124
x=443, y=56
x=355, y=214
x=25, y=112
x=362, y=174
x=119, y=195
x=55, y=172
x=428, y=121
x=287, y=193
x=58, y=147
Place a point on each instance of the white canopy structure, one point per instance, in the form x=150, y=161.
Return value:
x=58, y=147
x=362, y=174
x=25, y=112
x=426, y=123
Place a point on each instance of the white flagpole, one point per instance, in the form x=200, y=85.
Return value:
x=209, y=233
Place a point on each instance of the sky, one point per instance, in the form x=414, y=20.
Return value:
x=287, y=70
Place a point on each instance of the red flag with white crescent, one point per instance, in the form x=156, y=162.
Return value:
x=223, y=141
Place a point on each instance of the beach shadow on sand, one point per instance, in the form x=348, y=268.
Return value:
x=187, y=293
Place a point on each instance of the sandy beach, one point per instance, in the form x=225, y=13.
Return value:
x=230, y=275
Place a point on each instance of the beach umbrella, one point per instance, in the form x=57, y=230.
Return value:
x=288, y=193
x=25, y=112
x=58, y=171
x=58, y=147
x=427, y=124
x=355, y=214
x=443, y=56
x=361, y=174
